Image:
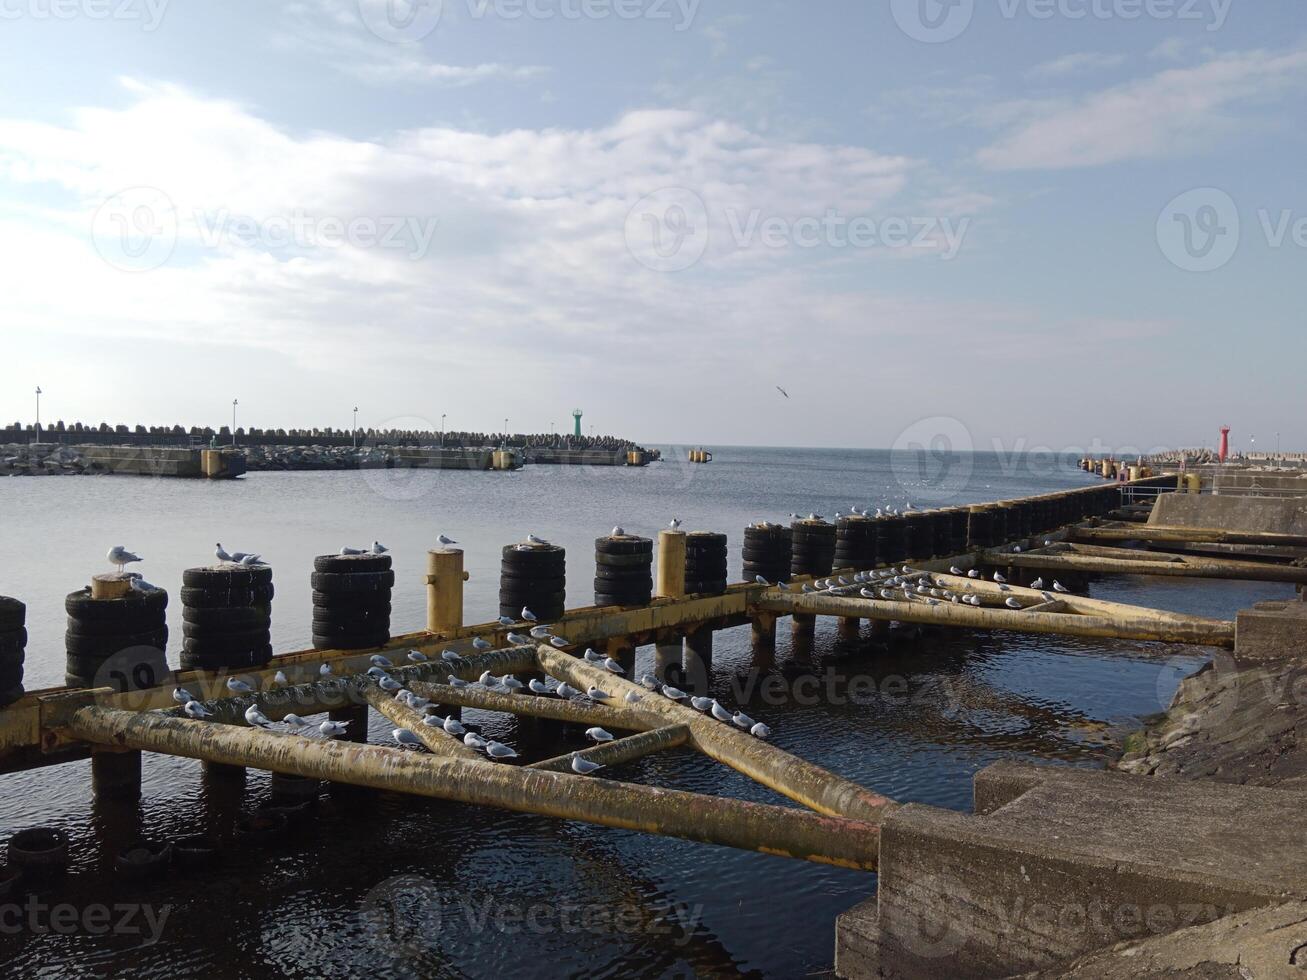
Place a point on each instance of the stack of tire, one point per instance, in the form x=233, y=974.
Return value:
x=855, y=542
x=918, y=536
x=813, y=547
x=623, y=571
x=351, y=601
x=893, y=540
x=705, y=563
x=533, y=576
x=768, y=551
x=117, y=643
x=226, y=617
x=13, y=644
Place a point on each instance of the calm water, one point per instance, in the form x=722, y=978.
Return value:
x=380, y=885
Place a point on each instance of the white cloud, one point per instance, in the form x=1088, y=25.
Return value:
x=1176, y=111
x=1074, y=64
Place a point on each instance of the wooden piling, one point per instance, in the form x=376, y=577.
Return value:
x=714, y=820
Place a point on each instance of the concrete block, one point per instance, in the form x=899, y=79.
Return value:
x=1062, y=862
x=1271, y=631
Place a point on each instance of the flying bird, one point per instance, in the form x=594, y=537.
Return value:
x=783, y=391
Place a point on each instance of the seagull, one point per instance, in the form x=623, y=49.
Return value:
x=529, y=616
x=481, y=644
x=760, y=731
x=720, y=713
x=1048, y=597
x=347, y=550
x=498, y=750
x=378, y=548
x=416, y=656
x=999, y=578
x=538, y=686
x=760, y=580
x=783, y=391
x=405, y=739
x=701, y=704
x=330, y=729
x=597, y=734
x=597, y=694
x=474, y=741
x=120, y=556
x=444, y=541
x=256, y=717
x=248, y=560
x=566, y=691
x=612, y=665
x=532, y=539
x=453, y=726
x=632, y=698
x=388, y=683
x=954, y=570
x=456, y=682
x=433, y=721
x=511, y=683
x=194, y=709
x=238, y=686
x=295, y=720
x=325, y=670
x=558, y=641
x=782, y=586
x=519, y=639
x=140, y=585
x=1037, y=583
x=674, y=524
x=674, y=693
x=449, y=656
x=1011, y=603
x=539, y=632
x=619, y=532
x=650, y=682
x=280, y=678
x=181, y=695
x=488, y=679
x=1059, y=587
x=592, y=656
x=1016, y=549
x=973, y=573
x=221, y=553
x=377, y=660
x=584, y=767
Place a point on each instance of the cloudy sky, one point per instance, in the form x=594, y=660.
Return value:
x=1057, y=222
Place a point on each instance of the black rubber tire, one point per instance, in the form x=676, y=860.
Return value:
x=623, y=561
x=13, y=614
x=368, y=625
x=104, y=646
x=338, y=583
x=240, y=617
x=519, y=599
x=231, y=643
x=705, y=588
x=9, y=696
x=705, y=539
x=259, y=595
x=356, y=642
x=766, y=554
x=146, y=622
x=39, y=849
x=128, y=662
x=236, y=661
x=356, y=600
x=542, y=559
x=554, y=583
x=350, y=564
x=705, y=565
x=129, y=608
x=196, y=631
x=623, y=546
x=617, y=586
x=13, y=639
x=621, y=574
x=620, y=600
x=227, y=577
x=11, y=674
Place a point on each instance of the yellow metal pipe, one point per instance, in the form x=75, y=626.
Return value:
x=622, y=750
x=437, y=740
x=555, y=709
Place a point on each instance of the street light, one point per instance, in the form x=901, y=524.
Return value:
x=38, y=413
x=354, y=433
x=234, y=403
x=442, y=429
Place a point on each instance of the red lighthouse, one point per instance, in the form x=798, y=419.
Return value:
x=1225, y=442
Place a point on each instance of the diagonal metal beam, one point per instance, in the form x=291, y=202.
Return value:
x=621, y=750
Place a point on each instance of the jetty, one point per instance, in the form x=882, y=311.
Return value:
x=1054, y=868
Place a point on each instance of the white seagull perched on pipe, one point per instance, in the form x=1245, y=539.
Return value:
x=584, y=767
x=295, y=721
x=181, y=695
x=330, y=729
x=1012, y=603
x=416, y=657
x=674, y=693
x=613, y=666
x=720, y=713
x=256, y=717
x=529, y=616
x=120, y=556
x=481, y=644
x=1059, y=587
x=194, y=709
x=538, y=686
x=449, y=656
x=1037, y=583
x=377, y=660
x=444, y=541
x=454, y=727
x=760, y=731
x=498, y=750
x=378, y=548
x=238, y=686
x=405, y=739
x=632, y=698
x=597, y=734
x=474, y=741
x=280, y=678
x=597, y=694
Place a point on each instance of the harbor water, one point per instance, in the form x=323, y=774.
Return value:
x=379, y=885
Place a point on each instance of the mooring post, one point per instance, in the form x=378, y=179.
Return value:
x=445, y=578
x=116, y=775
x=671, y=583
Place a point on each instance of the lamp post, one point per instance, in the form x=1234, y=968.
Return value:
x=354, y=432
x=234, y=403
x=38, y=413
x=442, y=430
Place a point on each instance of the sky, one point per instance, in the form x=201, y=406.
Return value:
x=1000, y=223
